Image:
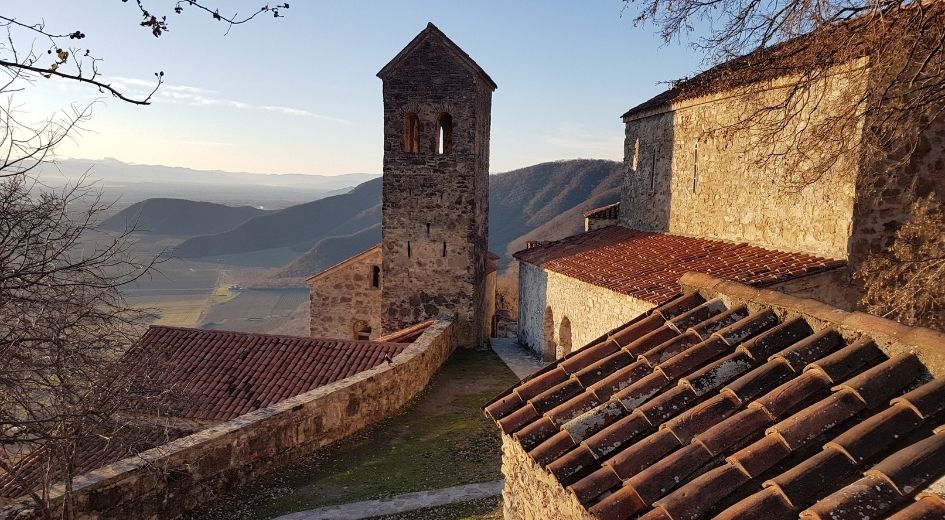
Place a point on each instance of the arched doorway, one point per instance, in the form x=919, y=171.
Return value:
x=550, y=349
x=361, y=330
x=564, y=337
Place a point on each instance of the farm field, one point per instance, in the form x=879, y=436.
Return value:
x=255, y=310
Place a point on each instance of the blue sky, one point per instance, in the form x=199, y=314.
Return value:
x=299, y=94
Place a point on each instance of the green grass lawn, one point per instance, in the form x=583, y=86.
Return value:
x=441, y=439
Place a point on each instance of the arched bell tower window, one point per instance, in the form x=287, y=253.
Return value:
x=444, y=134
x=411, y=132
x=375, y=276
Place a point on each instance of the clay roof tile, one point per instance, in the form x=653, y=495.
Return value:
x=677, y=425
x=219, y=375
x=925, y=508
x=647, y=265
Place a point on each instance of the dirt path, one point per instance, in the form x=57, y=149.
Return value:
x=400, y=503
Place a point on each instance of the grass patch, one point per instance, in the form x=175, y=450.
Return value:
x=173, y=311
x=440, y=439
x=222, y=293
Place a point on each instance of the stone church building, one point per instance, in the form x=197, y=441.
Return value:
x=707, y=360
x=695, y=199
x=433, y=259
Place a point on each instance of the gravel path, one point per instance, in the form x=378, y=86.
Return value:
x=400, y=503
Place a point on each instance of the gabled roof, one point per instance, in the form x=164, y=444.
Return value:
x=743, y=407
x=828, y=46
x=608, y=212
x=647, y=265
x=346, y=261
x=219, y=375
x=491, y=259
x=432, y=31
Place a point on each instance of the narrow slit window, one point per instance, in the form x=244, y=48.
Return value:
x=428, y=229
x=411, y=133
x=653, y=172
x=444, y=134
x=695, y=167
x=444, y=249
x=408, y=250
x=375, y=276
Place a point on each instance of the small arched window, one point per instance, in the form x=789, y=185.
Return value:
x=444, y=134
x=362, y=331
x=411, y=132
x=375, y=276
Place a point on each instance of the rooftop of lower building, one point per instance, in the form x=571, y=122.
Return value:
x=646, y=265
x=741, y=403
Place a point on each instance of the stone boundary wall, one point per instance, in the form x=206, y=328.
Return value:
x=579, y=311
x=167, y=481
x=530, y=492
x=832, y=287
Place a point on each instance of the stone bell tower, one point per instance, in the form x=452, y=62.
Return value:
x=437, y=114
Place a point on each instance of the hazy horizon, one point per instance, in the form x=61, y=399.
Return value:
x=300, y=94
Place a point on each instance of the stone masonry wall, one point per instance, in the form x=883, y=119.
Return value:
x=685, y=176
x=882, y=208
x=435, y=205
x=165, y=482
x=558, y=314
x=530, y=492
x=344, y=295
x=832, y=287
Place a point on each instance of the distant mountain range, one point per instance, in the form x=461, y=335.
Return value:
x=298, y=227
x=179, y=217
x=136, y=182
x=541, y=202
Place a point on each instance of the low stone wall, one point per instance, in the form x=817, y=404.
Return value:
x=831, y=287
x=531, y=493
x=169, y=480
x=559, y=314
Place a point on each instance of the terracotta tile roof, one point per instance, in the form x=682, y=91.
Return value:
x=407, y=335
x=219, y=375
x=648, y=265
x=608, y=212
x=91, y=453
x=698, y=409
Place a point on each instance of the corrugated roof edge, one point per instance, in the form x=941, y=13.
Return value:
x=892, y=337
x=552, y=366
x=598, y=212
